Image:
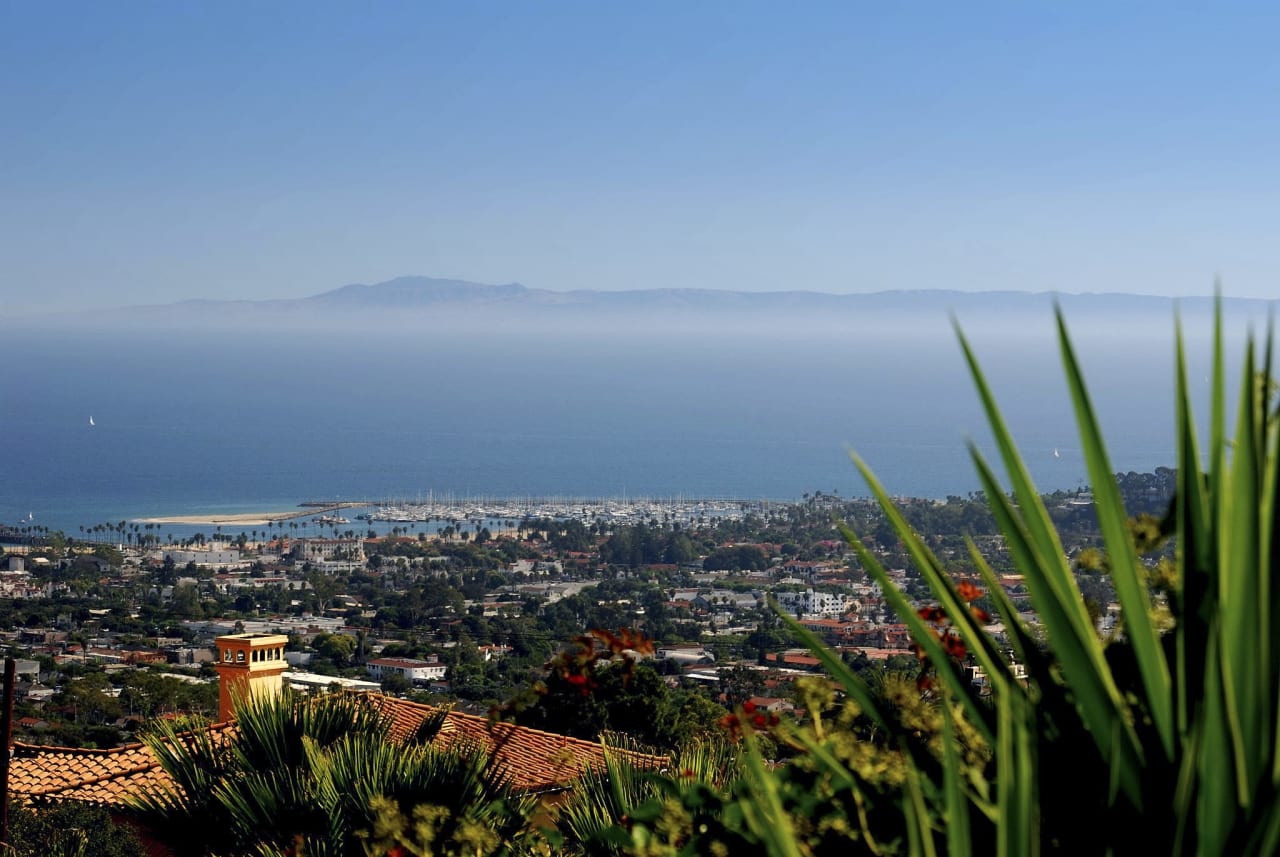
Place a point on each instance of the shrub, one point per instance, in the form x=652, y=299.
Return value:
x=1162, y=740
x=70, y=829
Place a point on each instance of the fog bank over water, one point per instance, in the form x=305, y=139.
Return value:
x=516, y=400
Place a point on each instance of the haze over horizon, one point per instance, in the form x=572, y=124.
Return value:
x=238, y=151
x=430, y=290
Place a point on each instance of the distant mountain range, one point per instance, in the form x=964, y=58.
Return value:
x=405, y=292
x=420, y=300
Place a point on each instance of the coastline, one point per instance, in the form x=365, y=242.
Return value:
x=248, y=519
x=211, y=520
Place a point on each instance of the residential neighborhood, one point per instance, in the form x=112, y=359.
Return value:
x=111, y=633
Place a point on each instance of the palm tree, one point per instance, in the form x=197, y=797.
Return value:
x=312, y=776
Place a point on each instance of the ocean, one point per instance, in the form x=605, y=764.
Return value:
x=195, y=422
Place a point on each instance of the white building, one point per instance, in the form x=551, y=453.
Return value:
x=812, y=602
x=538, y=567
x=18, y=584
x=206, y=556
x=319, y=683
x=413, y=670
x=328, y=550
x=685, y=655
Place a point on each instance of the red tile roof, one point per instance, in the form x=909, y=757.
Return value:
x=534, y=760
x=93, y=776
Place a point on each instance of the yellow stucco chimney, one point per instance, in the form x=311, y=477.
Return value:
x=248, y=664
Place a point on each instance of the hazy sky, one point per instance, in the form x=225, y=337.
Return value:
x=154, y=151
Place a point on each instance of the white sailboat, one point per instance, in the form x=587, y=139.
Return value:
x=1055, y=453
x=91, y=422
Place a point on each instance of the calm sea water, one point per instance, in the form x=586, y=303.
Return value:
x=197, y=423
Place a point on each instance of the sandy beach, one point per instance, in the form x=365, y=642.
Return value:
x=245, y=519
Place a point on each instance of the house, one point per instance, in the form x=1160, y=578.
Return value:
x=28, y=668
x=412, y=670
x=19, y=584
x=533, y=760
x=810, y=569
x=493, y=653
x=95, y=564
x=799, y=659
x=834, y=630
x=772, y=704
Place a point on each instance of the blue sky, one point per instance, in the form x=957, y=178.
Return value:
x=158, y=151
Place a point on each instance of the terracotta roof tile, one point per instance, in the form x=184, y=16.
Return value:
x=533, y=760
x=92, y=776
x=39, y=772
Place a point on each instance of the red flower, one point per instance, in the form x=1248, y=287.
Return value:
x=954, y=646
x=981, y=615
x=968, y=592
x=749, y=707
x=936, y=615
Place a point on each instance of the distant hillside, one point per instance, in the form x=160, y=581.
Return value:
x=418, y=291
x=422, y=301
x=426, y=291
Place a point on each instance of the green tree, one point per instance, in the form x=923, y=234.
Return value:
x=395, y=683
x=740, y=683
x=186, y=601
x=88, y=700
x=338, y=648
x=737, y=558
